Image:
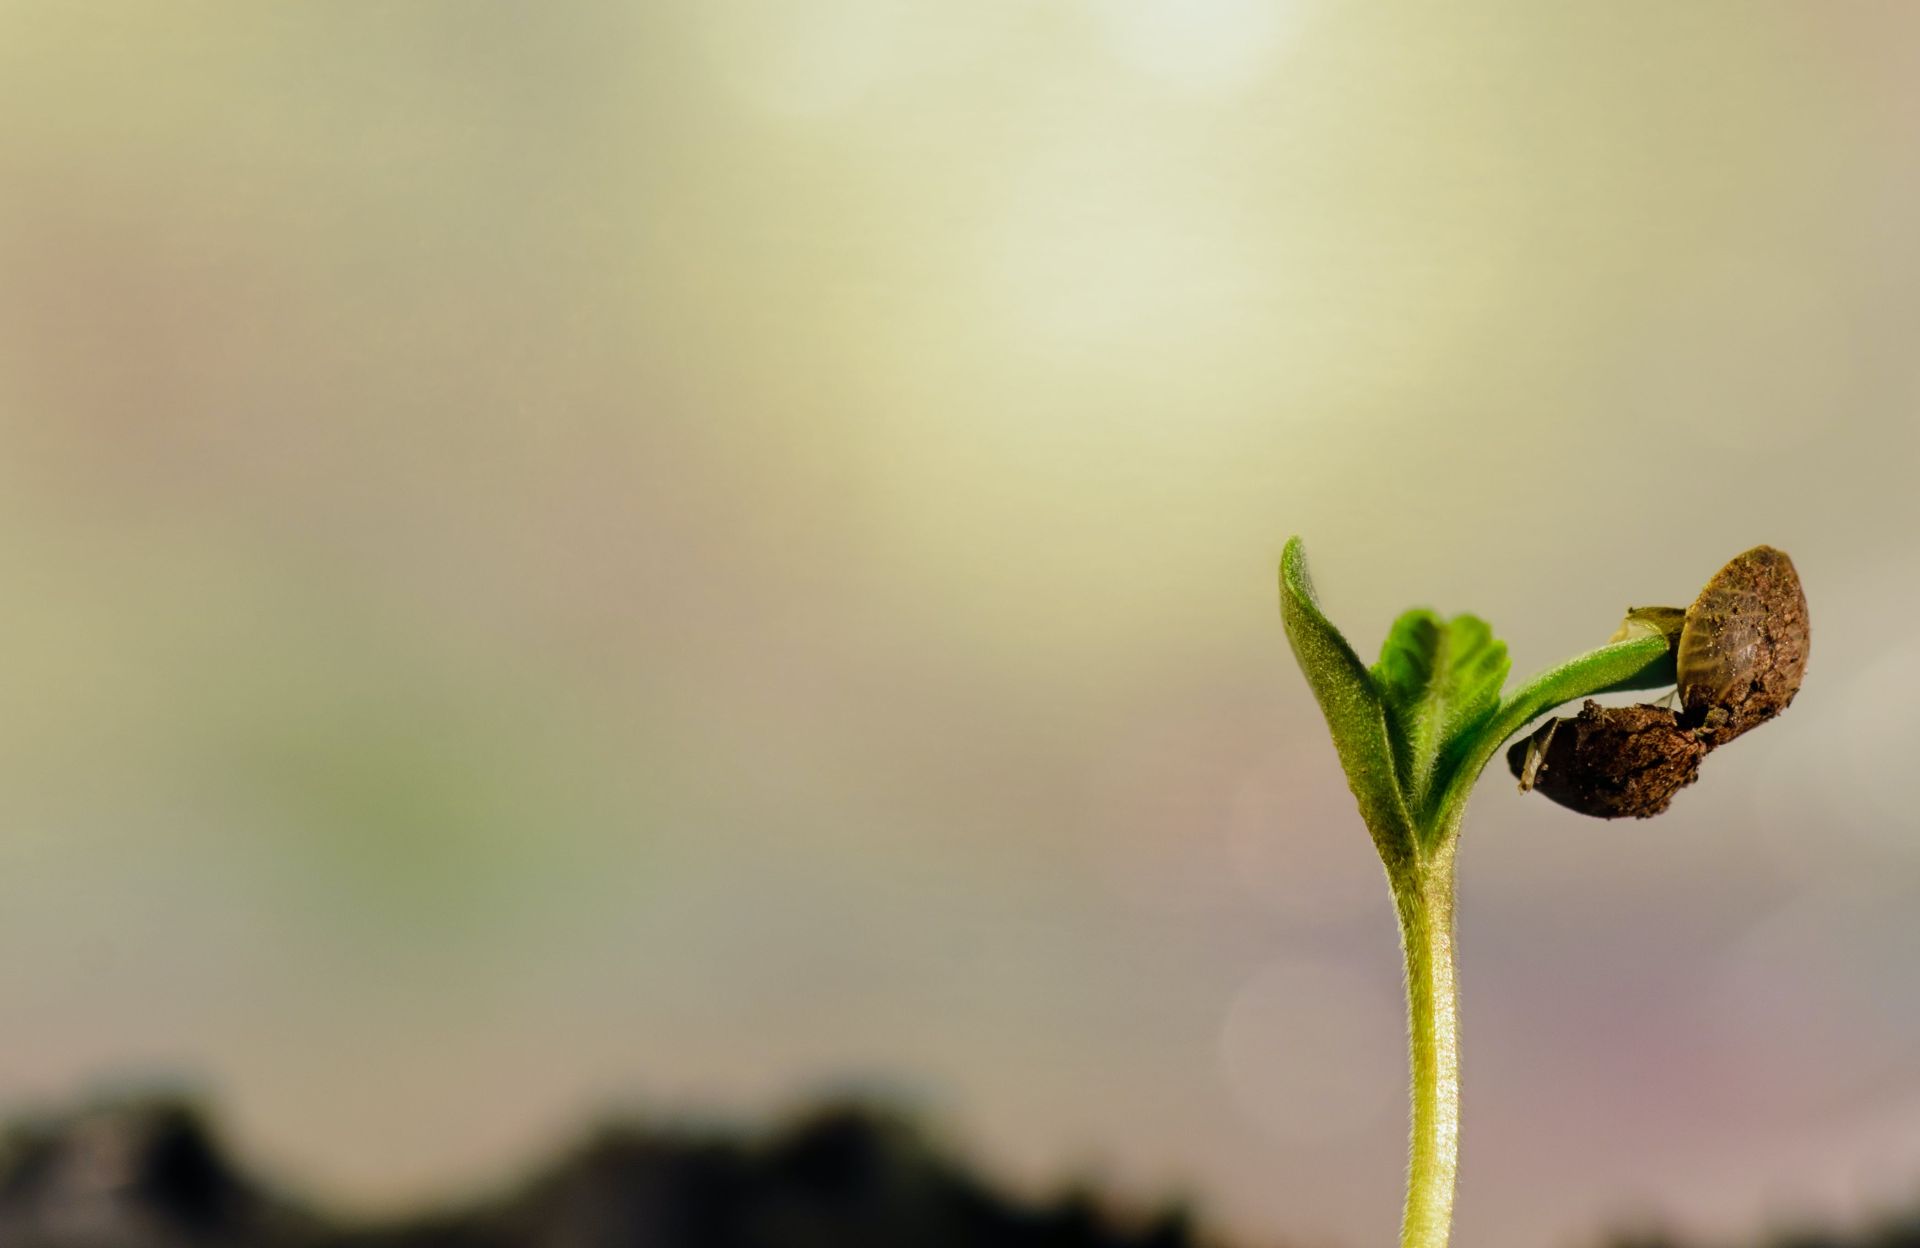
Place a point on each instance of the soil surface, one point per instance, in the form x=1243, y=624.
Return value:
x=152, y=1175
x=1612, y=761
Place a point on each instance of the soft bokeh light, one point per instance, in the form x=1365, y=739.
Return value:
x=676, y=555
x=1203, y=45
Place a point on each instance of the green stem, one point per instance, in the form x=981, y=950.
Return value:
x=1423, y=895
x=1411, y=769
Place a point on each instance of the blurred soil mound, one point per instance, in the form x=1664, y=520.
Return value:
x=1902, y=1231
x=151, y=1174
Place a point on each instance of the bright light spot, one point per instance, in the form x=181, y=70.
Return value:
x=806, y=60
x=1312, y=1052
x=1198, y=45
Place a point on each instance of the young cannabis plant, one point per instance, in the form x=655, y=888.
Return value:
x=1415, y=730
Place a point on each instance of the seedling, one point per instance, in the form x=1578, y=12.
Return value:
x=1415, y=731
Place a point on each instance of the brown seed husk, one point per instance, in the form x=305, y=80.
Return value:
x=1743, y=649
x=1613, y=761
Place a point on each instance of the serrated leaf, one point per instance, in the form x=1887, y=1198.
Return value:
x=1440, y=680
x=1416, y=731
x=1356, y=716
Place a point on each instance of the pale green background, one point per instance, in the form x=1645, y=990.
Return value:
x=682, y=555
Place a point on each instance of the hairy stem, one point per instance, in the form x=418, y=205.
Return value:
x=1423, y=895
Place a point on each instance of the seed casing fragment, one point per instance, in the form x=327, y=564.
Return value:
x=1743, y=649
x=1739, y=653
x=1610, y=762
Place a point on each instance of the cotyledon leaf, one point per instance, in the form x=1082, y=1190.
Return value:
x=1356, y=716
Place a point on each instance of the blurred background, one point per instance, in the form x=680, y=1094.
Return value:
x=688, y=556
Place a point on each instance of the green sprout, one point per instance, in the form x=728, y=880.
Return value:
x=1415, y=730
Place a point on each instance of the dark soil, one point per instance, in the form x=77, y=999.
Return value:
x=1613, y=761
x=150, y=1175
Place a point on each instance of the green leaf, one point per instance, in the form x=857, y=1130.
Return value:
x=1440, y=680
x=1415, y=731
x=1623, y=664
x=1356, y=716
x=1663, y=622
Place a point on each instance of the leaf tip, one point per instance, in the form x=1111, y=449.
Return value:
x=1293, y=560
x=1296, y=586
